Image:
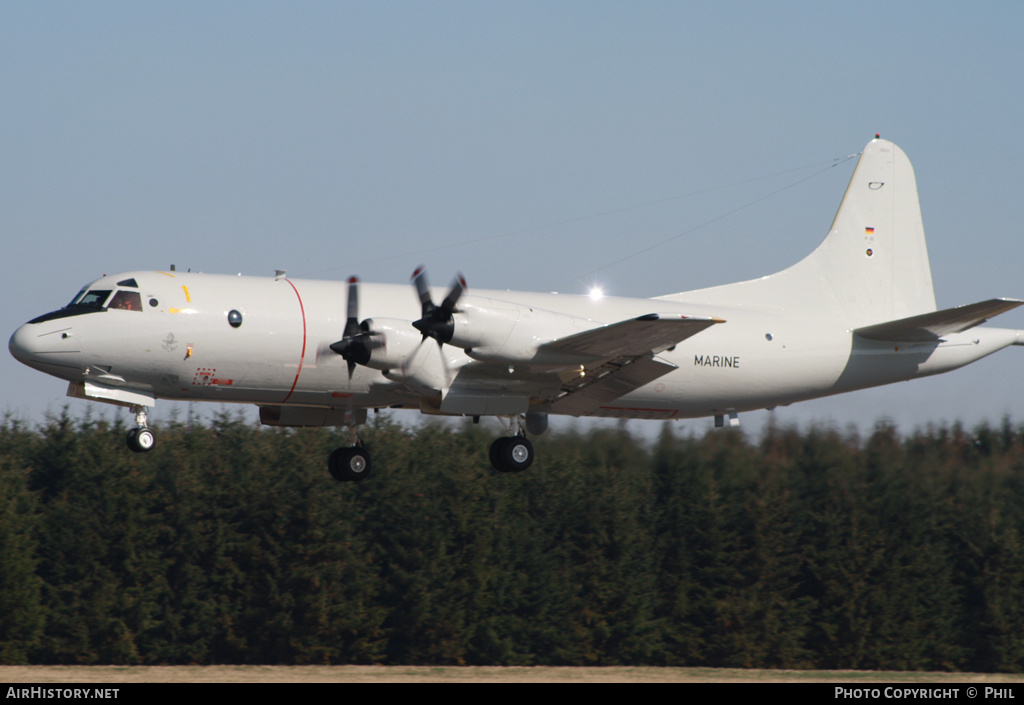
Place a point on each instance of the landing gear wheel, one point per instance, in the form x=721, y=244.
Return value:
x=511, y=454
x=141, y=440
x=349, y=464
x=495, y=451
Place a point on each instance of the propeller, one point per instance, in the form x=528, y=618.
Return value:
x=356, y=342
x=436, y=321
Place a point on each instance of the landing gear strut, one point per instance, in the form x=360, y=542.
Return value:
x=141, y=439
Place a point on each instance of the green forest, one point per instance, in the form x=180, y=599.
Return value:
x=231, y=544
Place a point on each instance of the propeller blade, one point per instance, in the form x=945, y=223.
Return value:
x=458, y=288
x=436, y=321
x=352, y=323
x=355, y=345
x=419, y=280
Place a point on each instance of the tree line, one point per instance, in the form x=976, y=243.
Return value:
x=231, y=544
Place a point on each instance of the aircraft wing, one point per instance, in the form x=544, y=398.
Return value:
x=578, y=373
x=624, y=353
x=929, y=327
x=650, y=334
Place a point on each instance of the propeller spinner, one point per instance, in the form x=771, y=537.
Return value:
x=436, y=321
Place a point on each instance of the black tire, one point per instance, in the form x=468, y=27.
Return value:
x=141, y=440
x=349, y=464
x=495, y=452
x=513, y=454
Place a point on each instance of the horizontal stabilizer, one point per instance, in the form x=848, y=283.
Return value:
x=929, y=327
x=649, y=334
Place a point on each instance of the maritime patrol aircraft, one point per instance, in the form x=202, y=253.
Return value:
x=858, y=312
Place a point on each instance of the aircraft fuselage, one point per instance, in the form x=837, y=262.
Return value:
x=181, y=345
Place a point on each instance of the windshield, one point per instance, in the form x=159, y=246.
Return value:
x=91, y=301
x=78, y=296
x=94, y=298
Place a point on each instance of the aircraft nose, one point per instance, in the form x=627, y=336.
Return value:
x=37, y=344
x=23, y=344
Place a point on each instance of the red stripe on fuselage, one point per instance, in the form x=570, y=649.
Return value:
x=298, y=372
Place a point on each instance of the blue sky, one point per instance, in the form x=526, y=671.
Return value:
x=529, y=145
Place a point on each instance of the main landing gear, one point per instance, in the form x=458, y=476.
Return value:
x=512, y=453
x=508, y=454
x=351, y=463
x=141, y=439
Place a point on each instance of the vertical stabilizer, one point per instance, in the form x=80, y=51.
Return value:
x=874, y=259
x=873, y=264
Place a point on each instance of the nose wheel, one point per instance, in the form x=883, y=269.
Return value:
x=141, y=439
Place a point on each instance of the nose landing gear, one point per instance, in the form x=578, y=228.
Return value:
x=141, y=439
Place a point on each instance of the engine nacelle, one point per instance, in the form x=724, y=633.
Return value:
x=401, y=352
x=394, y=342
x=497, y=331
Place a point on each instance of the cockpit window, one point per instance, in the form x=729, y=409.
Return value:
x=87, y=301
x=127, y=300
x=78, y=296
x=129, y=282
x=95, y=298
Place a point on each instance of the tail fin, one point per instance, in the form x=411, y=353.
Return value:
x=873, y=264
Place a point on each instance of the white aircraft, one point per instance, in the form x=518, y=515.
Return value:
x=858, y=312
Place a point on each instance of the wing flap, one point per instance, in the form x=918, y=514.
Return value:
x=607, y=383
x=932, y=326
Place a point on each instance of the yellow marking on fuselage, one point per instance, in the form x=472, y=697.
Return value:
x=167, y=274
x=187, y=296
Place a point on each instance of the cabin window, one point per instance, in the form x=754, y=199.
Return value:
x=234, y=318
x=127, y=301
